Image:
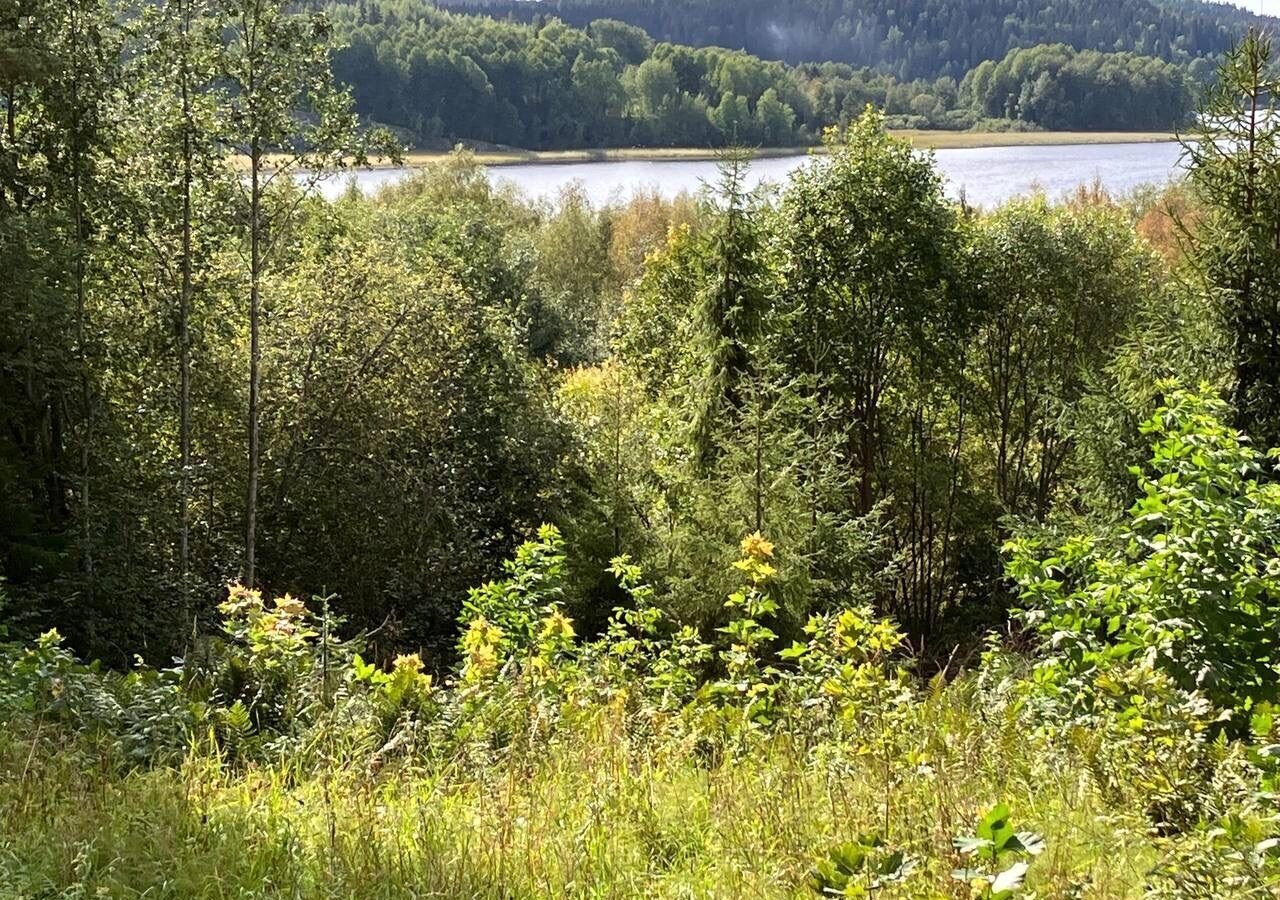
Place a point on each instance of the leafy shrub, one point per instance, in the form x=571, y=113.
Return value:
x=747, y=684
x=134, y=718
x=514, y=606
x=517, y=649
x=1188, y=585
x=1230, y=858
x=643, y=647
x=404, y=692
x=272, y=672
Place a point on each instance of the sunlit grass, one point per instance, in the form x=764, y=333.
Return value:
x=597, y=812
x=932, y=139
x=938, y=140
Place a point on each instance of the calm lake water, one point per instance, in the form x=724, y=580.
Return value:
x=987, y=176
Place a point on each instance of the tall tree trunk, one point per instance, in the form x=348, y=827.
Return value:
x=77, y=150
x=617, y=512
x=184, y=322
x=1247, y=370
x=255, y=354
x=10, y=131
x=11, y=122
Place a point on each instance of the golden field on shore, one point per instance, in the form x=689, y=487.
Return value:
x=931, y=139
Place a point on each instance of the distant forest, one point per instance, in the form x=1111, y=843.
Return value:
x=908, y=38
x=441, y=77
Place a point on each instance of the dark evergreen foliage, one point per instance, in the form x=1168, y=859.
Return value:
x=444, y=77
x=910, y=38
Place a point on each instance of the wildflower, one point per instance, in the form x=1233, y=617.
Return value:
x=757, y=571
x=410, y=662
x=240, y=599
x=481, y=633
x=290, y=605
x=557, y=626
x=754, y=546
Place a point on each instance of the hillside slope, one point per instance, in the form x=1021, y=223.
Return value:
x=442, y=77
x=910, y=38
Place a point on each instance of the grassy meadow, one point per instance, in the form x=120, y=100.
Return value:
x=596, y=811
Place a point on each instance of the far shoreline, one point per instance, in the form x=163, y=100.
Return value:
x=928, y=140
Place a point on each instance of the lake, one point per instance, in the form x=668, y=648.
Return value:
x=987, y=176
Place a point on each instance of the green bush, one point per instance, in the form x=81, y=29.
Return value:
x=1187, y=586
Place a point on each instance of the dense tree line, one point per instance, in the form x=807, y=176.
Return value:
x=914, y=39
x=443, y=77
x=189, y=353
x=1055, y=87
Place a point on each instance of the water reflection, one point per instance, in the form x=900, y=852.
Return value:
x=986, y=176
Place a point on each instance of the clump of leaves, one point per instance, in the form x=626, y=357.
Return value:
x=860, y=868
x=642, y=642
x=746, y=684
x=1264, y=751
x=1236, y=856
x=1187, y=585
x=405, y=691
x=996, y=855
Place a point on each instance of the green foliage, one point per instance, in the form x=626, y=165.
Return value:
x=860, y=869
x=571, y=730
x=643, y=644
x=882, y=381
x=1233, y=156
x=746, y=684
x=444, y=77
x=1185, y=585
x=403, y=693
x=128, y=720
x=994, y=846
x=1058, y=288
x=829, y=735
x=913, y=39
x=408, y=328
x=867, y=307
x=1059, y=88
x=533, y=588
x=1232, y=858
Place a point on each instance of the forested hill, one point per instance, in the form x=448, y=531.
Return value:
x=441, y=77
x=909, y=38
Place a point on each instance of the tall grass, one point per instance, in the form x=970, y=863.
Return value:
x=598, y=811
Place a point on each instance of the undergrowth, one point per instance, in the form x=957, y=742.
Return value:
x=657, y=760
